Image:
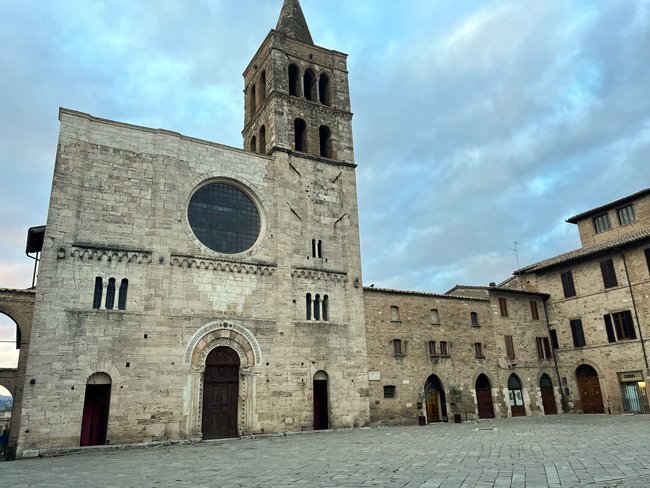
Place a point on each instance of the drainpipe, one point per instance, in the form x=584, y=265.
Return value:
x=636, y=312
x=565, y=405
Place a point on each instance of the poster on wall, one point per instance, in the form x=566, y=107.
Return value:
x=512, y=398
x=518, y=399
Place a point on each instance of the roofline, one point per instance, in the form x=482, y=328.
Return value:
x=92, y=118
x=499, y=289
x=598, y=251
x=615, y=203
x=422, y=294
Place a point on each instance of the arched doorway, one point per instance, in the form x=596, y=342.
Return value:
x=484, y=397
x=589, y=387
x=220, y=393
x=548, y=396
x=321, y=401
x=516, y=396
x=9, y=332
x=434, y=394
x=97, y=399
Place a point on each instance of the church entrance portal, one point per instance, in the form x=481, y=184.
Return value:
x=435, y=398
x=220, y=394
x=94, y=423
x=321, y=405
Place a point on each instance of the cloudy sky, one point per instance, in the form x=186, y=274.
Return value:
x=477, y=123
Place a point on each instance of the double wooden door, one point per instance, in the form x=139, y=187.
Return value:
x=220, y=394
x=590, y=395
x=548, y=400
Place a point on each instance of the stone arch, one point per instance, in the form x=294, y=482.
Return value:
x=203, y=341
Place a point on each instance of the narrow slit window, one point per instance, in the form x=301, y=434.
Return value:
x=262, y=140
x=325, y=138
x=308, y=306
x=124, y=288
x=319, y=249
x=474, y=319
x=317, y=307
x=293, y=80
x=300, y=135
x=110, y=294
x=324, y=89
x=313, y=248
x=99, y=290
x=326, y=305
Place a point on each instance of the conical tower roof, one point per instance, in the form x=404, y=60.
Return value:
x=292, y=22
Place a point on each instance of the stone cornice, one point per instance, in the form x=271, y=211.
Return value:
x=214, y=264
x=320, y=274
x=94, y=252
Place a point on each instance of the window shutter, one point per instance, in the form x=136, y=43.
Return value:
x=609, y=274
x=568, y=285
x=547, y=348
x=578, y=333
x=629, y=324
x=611, y=337
x=540, y=347
x=510, y=348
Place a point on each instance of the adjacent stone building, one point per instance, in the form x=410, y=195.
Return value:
x=188, y=290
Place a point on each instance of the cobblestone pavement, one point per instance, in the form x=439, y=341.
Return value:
x=596, y=451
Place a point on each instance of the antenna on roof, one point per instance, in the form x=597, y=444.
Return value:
x=516, y=251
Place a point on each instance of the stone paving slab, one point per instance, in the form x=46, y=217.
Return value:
x=559, y=451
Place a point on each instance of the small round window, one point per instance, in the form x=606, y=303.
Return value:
x=224, y=218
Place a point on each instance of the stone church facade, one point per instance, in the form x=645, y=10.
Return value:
x=189, y=290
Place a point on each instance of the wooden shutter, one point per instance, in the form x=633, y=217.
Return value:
x=533, y=310
x=510, y=347
x=629, y=324
x=609, y=274
x=611, y=337
x=503, y=307
x=568, y=285
x=578, y=333
x=548, y=351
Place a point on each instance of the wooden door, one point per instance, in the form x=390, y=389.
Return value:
x=220, y=394
x=484, y=403
x=592, y=399
x=548, y=400
x=321, y=407
x=517, y=408
x=94, y=423
x=433, y=405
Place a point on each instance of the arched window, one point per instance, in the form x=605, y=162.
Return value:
x=326, y=306
x=252, y=100
x=99, y=289
x=308, y=304
x=313, y=248
x=121, y=301
x=309, y=82
x=325, y=137
x=324, y=89
x=300, y=134
x=319, y=249
x=262, y=87
x=110, y=294
x=293, y=80
x=394, y=314
x=253, y=144
x=317, y=307
x=263, y=140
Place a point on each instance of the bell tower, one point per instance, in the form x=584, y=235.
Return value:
x=296, y=94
